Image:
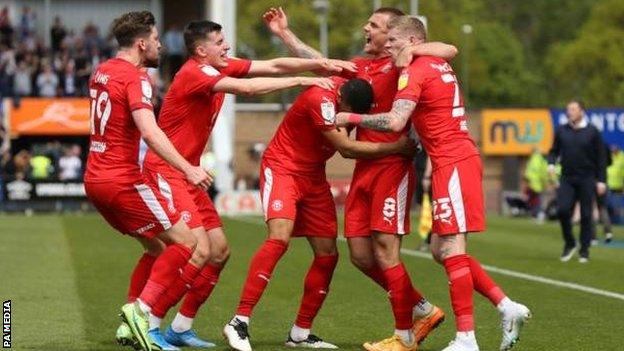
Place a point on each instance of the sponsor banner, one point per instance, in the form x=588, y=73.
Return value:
x=23, y=190
x=41, y=116
x=246, y=202
x=516, y=131
x=610, y=121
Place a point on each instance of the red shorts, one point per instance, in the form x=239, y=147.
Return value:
x=457, y=195
x=133, y=208
x=193, y=203
x=379, y=199
x=305, y=200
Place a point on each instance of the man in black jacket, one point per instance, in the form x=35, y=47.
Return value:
x=579, y=147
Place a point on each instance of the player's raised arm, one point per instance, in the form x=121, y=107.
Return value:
x=265, y=85
x=290, y=65
x=349, y=148
x=393, y=121
x=157, y=141
x=438, y=49
x=277, y=22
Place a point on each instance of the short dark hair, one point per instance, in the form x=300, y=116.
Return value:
x=391, y=11
x=578, y=102
x=132, y=25
x=196, y=31
x=357, y=93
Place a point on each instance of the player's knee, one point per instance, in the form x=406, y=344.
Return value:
x=437, y=256
x=201, y=254
x=220, y=255
x=385, y=257
x=363, y=262
x=187, y=239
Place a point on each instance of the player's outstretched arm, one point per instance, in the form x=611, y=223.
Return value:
x=162, y=146
x=349, y=148
x=393, y=121
x=290, y=65
x=264, y=85
x=277, y=22
x=438, y=49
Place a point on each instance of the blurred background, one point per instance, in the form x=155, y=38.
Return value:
x=519, y=62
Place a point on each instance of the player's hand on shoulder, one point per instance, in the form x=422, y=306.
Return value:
x=324, y=83
x=275, y=19
x=405, y=57
x=199, y=177
x=337, y=66
x=406, y=146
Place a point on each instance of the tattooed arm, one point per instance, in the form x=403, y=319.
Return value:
x=277, y=22
x=393, y=121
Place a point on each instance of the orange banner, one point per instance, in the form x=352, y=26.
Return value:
x=516, y=131
x=40, y=116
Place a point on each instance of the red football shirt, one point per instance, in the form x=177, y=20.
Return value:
x=190, y=110
x=439, y=118
x=298, y=146
x=116, y=89
x=382, y=75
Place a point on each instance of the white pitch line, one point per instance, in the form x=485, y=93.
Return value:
x=493, y=269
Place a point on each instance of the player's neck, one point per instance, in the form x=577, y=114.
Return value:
x=130, y=56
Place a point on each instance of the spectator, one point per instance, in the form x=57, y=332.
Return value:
x=536, y=175
x=580, y=147
x=615, y=183
x=27, y=22
x=174, y=44
x=47, y=82
x=70, y=165
x=57, y=34
x=6, y=29
x=41, y=167
x=22, y=82
x=68, y=80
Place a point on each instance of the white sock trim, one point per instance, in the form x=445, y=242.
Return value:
x=406, y=335
x=143, y=306
x=154, y=322
x=298, y=333
x=181, y=323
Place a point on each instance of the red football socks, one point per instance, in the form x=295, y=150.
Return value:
x=260, y=269
x=175, y=292
x=377, y=275
x=139, y=276
x=316, y=287
x=460, y=286
x=201, y=289
x=484, y=284
x=165, y=271
x=401, y=294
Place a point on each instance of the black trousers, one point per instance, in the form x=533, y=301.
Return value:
x=571, y=190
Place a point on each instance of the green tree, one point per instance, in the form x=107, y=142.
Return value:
x=592, y=65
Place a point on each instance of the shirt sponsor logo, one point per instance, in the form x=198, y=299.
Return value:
x=328, y=111
x=403, y=80
x=97, y=146
x=101, y=78
x=210, y=71
x=443, y=67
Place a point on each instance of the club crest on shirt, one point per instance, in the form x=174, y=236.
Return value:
x=328, y=111
x=209, y=70
x=403, y=80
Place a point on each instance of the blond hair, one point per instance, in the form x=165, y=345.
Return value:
x=409, y=25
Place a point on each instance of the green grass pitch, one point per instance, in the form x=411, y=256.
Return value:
x=67, y=276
